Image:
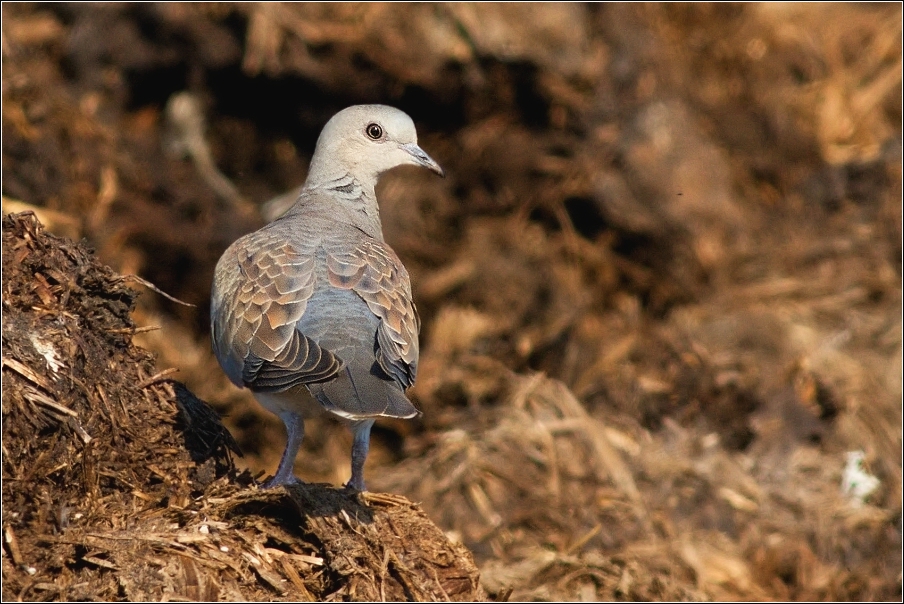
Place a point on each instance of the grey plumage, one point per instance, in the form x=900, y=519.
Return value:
x=316, y=304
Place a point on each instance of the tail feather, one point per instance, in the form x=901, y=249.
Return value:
x=357, y=392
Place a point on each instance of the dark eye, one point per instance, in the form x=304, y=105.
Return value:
x=374, y=131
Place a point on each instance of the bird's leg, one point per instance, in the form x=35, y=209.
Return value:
x=360, y=446
x=295, y=429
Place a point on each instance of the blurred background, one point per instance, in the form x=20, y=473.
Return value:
x=660, y=286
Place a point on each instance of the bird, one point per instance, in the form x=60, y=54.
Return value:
x=314, y=310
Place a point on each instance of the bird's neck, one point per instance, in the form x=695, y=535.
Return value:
x=347, y=195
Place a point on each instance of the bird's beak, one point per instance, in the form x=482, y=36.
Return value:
x=422, y=159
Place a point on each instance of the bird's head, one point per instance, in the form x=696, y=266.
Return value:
x=367, y=140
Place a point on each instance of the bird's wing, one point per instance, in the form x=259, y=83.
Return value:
x=254, y=312
x=374, y=272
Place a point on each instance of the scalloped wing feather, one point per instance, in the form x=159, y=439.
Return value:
x=264, y=285
x=374, y=272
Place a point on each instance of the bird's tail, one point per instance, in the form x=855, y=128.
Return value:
x=357, y=392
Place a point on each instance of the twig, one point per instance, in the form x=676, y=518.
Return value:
x=13, y=546
x=134, y=330
x=158, y=377
x=153, y=287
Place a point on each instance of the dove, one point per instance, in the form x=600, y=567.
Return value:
x=314, y=310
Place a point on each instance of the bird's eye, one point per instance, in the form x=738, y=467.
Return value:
x=374, y=131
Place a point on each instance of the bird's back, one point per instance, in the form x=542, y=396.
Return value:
x=315, y=283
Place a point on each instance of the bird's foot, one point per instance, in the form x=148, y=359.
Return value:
x=280, y=481
x=355, y=485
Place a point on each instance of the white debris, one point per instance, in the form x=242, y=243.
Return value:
x=856, y=482
x=48, y=352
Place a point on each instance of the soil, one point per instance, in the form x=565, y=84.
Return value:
x=660, y=292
